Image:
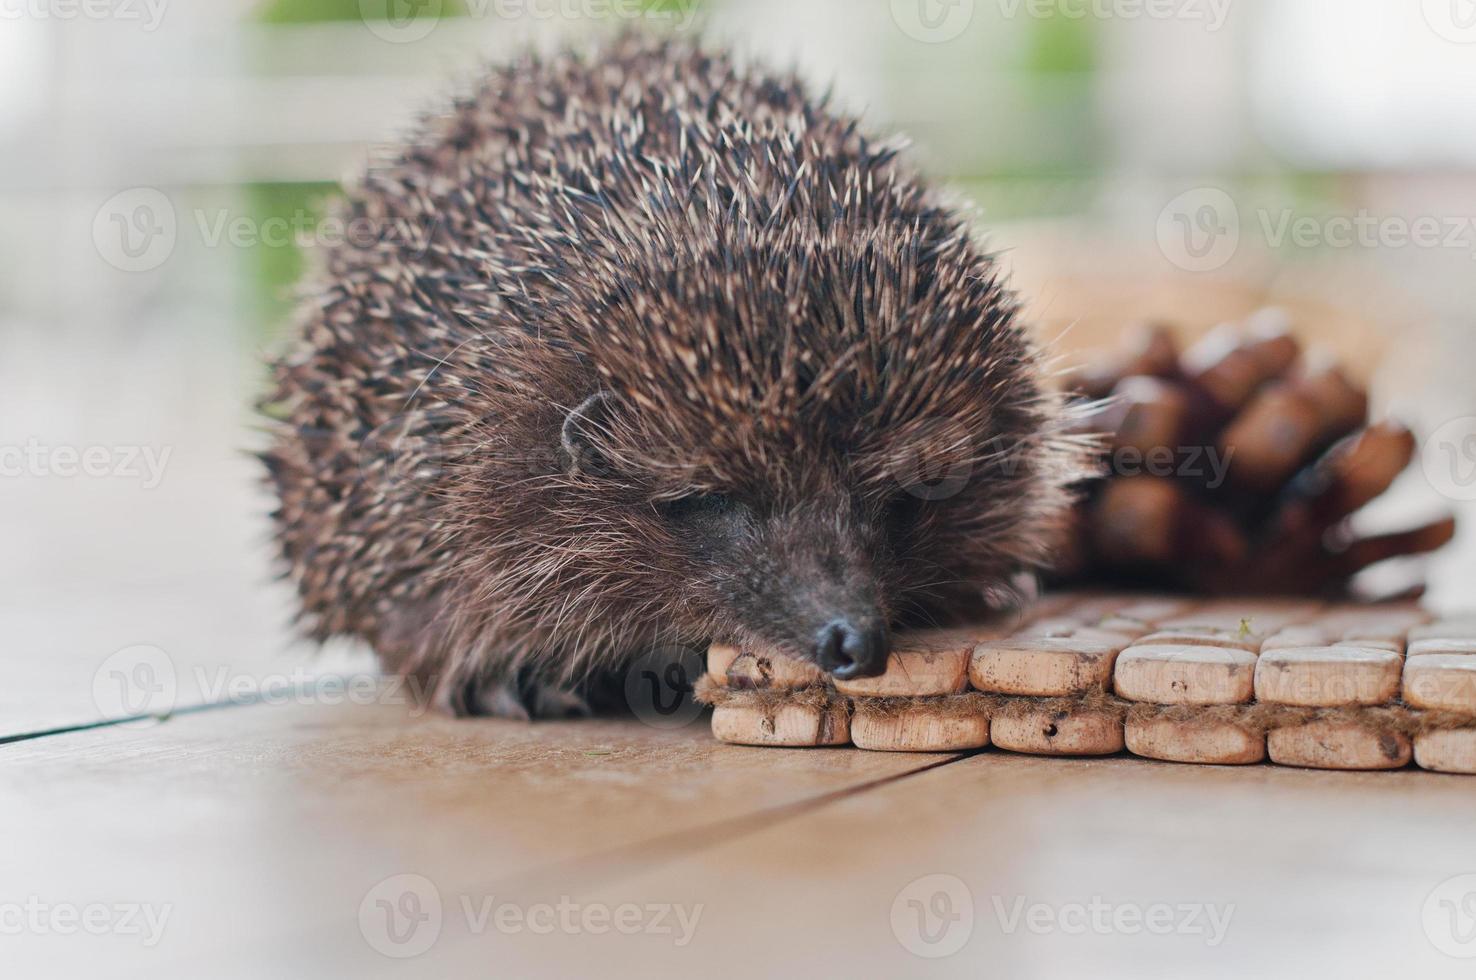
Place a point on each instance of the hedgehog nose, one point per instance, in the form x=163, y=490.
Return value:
x=847, y=650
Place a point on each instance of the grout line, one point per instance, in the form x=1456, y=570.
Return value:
x=127, y=720
x=161, y=718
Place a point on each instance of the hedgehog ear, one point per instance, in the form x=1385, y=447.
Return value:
x=580, y=436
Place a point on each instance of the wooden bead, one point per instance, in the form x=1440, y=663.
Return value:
x=1185, y=674
x=1104, y=628
x=1154, y=611
x=914, y=675
x=1091, y=607
x=1385, y=625
x=1446, y=646
x=1202, y=743
x=785, y=725
x=1258, y=618
x=1447, y=751
x=1044, y=666
x=760, y=672
x=1056, y=626
x=1337, y=745
x=1045, y=732
x=925, y=663
x=1124, y=626
x=1441, y=681
x=1393, y=646
x=1292, y=637
x=1050, y=606
x=1328, y=677
x=1461, y=628
x=1207, y=638
x=919, y=729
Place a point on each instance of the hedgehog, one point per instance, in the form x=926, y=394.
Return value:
x=653, y=347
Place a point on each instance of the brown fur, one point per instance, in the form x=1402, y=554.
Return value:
x=770, y=306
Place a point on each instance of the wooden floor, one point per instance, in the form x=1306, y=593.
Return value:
x=266, y=837
x=333, y=834
x=325, y=835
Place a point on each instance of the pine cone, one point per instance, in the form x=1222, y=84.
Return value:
x=1233, y=468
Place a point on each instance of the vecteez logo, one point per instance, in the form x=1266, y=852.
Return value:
x=660, y=686
x=139, y=230
x=401, y=916
x=933, y=21
x=148, y=14
x=138, y=683
x=1211, y=13
x=1449, y=917
x=136, y=230
x=1199, y=230
x=1454, y=20
x=1448, y=459
x=933, y=916
x=401, y=21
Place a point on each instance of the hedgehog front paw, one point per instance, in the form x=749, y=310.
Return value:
x=521, y=698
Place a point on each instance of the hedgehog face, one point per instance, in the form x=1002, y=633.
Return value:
x=747, y=560
x=807, y=581
x=827, y=574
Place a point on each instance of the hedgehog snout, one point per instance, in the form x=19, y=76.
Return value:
x=847, y=649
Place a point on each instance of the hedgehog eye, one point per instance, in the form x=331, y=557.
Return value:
x=695, y=506
x=903, y=511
